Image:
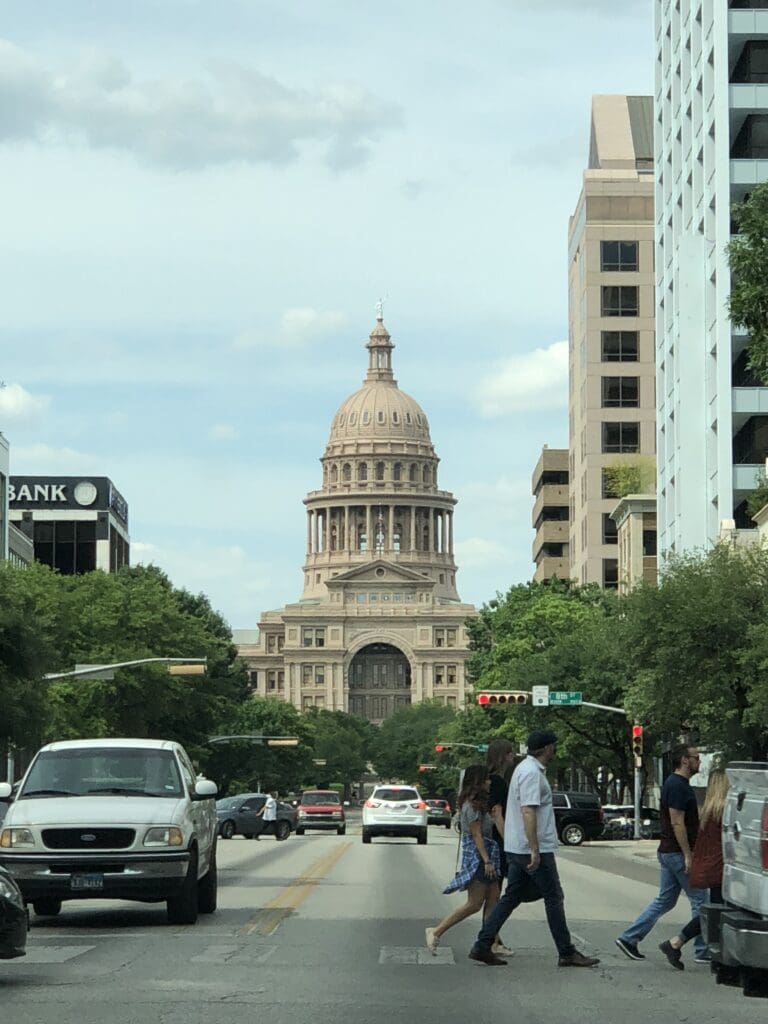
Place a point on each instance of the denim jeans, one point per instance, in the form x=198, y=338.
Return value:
x=693, y=928
x=548, y=882
x=673, y=881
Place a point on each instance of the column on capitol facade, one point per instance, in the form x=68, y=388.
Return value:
x=379, y=623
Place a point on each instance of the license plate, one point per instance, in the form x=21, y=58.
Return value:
x=86, y=883
x=398, y=808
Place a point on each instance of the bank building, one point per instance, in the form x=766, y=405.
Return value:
x=379, y=624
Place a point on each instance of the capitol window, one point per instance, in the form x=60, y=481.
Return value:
x=395, y=417
x=346, y=472
x=397, y=471
x=362, y=471
x=342, y=418
x=413, y=470
x=352, y=419
x=380, y=417
x=313, y=636
x=379, y=470
x=366, y=417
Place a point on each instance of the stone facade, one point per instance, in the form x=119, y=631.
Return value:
x=380, y=623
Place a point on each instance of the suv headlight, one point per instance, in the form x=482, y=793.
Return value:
x=335, y=814
x=15, y=838
x=9, y=892
x=164, y=836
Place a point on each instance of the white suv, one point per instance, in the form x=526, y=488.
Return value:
x=395, y=811
x=113, y=819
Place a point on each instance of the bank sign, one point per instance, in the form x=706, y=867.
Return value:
x=28, y=493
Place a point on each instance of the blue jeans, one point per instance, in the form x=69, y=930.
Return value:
x=548, y=882
x=673, y=881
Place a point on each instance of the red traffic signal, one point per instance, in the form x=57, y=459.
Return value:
x=439, y=748
x=637, y=730
x=637, y=743
x=493, y=697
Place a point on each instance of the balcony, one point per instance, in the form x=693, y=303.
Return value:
x=550, y=497
x=549, y=567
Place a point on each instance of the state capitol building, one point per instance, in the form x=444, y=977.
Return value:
x=379, y=623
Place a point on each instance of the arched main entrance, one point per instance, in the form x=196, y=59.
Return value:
x=379, y=681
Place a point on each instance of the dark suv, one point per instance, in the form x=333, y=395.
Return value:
x=578, y=816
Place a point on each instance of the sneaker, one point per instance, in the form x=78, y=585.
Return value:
x=674, y=956
x=703, y=958
x=577, y=959
x=630, y=949
x=433, y=941
x=487, y=956
x=501, y=950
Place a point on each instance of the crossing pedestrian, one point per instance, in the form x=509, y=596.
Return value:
x=679, y=829
x=706, y=866
x=501, y=760
x=478, y=873
x=530, y=842
x=268, y=814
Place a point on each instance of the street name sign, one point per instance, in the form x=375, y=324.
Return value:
x=564, y=698
x=540, y=695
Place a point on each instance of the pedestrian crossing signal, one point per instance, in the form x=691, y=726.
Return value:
x=490, y=698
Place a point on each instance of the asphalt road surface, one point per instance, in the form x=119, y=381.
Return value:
x=323, y=930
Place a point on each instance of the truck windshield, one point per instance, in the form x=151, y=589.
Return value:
x=103, y=771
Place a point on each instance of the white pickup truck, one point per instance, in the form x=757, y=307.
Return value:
x=113, y=819
x=737, y=929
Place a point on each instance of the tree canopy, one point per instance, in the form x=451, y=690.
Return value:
x=748, y=257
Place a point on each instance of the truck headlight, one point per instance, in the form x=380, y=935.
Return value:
x=335, y=814
x=302, y=814
x=164, y=836
x=9, y=892
x=15, y=838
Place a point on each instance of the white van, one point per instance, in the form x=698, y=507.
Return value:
x=113, y=819
x=737, y=929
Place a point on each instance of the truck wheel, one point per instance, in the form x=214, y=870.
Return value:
x=572, y=834
x=47, y=907
x=342, y=831
x=299, y=831
x=182, y=904
x=282, y=831
x=447, y=824
x=366, y=836
x=207, y=887
x=421, y=838
x=227, y=829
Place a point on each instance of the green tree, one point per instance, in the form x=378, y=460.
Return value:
x=633, y=474
x=344, y=742
x=699, y=650
x=748, y=257
x=759, y=497
x=408, y=739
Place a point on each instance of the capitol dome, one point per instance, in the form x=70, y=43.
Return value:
x=379, y=409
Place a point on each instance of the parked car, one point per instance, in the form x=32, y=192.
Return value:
x=620, y=822
x=238, y=816
x=113, y=819
x=736, y=930
x=13, y=919
x=578, y=816
x=395, y=811
x=438, y=813
x=321, y=809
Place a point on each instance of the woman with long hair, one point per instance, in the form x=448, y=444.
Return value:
x=502, y=759
x=478, y=874
x=706, y=865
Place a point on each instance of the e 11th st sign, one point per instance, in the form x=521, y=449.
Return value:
x=564, y=698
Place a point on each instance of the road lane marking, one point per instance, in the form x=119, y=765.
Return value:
x=269, y=918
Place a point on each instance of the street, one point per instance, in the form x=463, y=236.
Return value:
x=323, y=929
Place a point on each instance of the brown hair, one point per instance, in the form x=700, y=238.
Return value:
x=472, y=790
x=496, y=757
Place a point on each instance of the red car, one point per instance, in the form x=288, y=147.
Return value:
x=321, y=809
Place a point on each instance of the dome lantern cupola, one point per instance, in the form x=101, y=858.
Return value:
x=380, y=347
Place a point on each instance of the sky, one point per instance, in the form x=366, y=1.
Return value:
x=200, y=205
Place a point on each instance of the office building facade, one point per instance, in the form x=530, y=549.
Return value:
x=711, y=146
x=551, y=516
x=612, y=403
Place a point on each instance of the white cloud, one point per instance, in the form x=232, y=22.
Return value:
x=297, y=327
x=477, y=553
x=223, y=432
x=534, y=382
x=18, y=405
x=231, y=113
x=44, y=460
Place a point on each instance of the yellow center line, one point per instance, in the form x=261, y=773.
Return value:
x=268, y=918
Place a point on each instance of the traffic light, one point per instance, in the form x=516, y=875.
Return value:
x=427, y=767
x=493, y=697
x=187, y=670
x=439, y=748
x=637, y=742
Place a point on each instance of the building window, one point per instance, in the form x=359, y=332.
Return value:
x=619, y=300
x=621, y=392
x=362, y=471
x=649, y=543
x=610, y=530
x=451, y=673
x=618, y=256
x=752, y=66
x=306, y=675
x=425, y=474
x=319, y=675
x=620, y=346
x=752, y=141
x=271, y=643
x=271, y=680
x=346, y=472
x=379, y=470
x=439, y=675
x=611, y=573
x=313, y=636
x=621, y=437
x=413, y=469
x=445, y=638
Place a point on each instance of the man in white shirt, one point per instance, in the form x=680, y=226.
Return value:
x=530, y=842
x=269, y=813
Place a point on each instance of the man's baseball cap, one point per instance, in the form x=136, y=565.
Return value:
x=541, y=738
